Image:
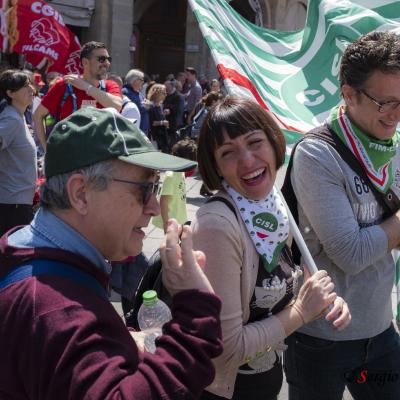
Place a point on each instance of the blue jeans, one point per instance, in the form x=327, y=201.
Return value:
x=319, y=369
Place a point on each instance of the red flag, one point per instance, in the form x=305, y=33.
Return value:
x=36, y=29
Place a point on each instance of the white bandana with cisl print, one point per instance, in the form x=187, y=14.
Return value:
x=267, y=223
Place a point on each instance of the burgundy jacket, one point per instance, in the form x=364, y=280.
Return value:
x=60, y=340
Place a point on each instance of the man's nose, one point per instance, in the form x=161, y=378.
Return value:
x=152, y=207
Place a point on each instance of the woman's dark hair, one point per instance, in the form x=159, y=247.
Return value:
x=234, y=116
x=375, y=51
x=12, y=80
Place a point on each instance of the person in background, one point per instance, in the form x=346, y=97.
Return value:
x=49, y=120
x=183, y=85
x=75, y=92
x=49, y=77
x=205, y=85
x=208, y=101
x=132, y=89
x=60, y=337
x=129, y=109
x=18, y=162
x=348, y=231
x=173, y=191
x=174, y=105
x=193, y=96
x=215, y=86
x=240, y=149
x=158, y=123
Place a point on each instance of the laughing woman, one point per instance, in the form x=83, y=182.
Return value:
x=247, y=260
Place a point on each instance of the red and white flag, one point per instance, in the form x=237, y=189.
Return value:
x=36, y=29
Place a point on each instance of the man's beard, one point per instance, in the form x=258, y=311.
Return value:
x=101, y=75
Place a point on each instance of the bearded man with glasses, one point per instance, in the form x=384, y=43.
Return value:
x=60, y=337
x=91, y=89
x=347, y=191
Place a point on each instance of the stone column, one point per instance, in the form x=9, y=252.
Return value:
x=112, y=23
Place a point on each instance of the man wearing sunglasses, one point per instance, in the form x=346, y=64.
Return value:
x=347, y=198
x=91, y=89
x=60, y=337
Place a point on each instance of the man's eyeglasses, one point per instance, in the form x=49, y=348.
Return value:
x=148, y=188
x=383, y=106
x=103, y=59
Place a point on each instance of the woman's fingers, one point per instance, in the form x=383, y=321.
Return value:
x=339, y=315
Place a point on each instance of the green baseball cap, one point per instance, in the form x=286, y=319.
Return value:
x=91, y=135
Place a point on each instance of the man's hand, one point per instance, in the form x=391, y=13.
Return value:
x=182, y=267
x=76, y=81
x=339, y=314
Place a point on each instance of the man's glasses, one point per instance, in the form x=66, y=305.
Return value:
x=103, y=59
x=148, y=188
x=383, y=106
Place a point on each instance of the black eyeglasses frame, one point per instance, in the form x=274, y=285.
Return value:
x=148, y=188
x=381, y=104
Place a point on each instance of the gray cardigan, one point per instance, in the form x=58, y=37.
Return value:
x=339, y=218
x=17, y=159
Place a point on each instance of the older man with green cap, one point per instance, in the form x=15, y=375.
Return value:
x=60, y=338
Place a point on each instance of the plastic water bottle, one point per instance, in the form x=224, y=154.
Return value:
x=153, y=314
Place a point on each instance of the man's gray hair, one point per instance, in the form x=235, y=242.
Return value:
x=54, y=195
x=133, y=75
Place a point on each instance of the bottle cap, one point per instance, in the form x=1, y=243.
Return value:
x=150, y=297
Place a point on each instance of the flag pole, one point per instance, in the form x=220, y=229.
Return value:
x=301, y=244
x=396, y=256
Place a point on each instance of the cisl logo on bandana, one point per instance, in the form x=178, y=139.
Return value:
x=264, y=224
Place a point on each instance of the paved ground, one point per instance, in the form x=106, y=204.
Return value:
x=154, y=236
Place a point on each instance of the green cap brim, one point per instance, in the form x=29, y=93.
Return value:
x=159, y=161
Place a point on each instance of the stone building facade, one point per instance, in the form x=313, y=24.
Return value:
x=162, y=36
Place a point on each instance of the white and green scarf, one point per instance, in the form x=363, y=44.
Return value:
x=267, y=223
x=374, y=155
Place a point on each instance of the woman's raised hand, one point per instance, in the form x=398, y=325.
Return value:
x=182, y=267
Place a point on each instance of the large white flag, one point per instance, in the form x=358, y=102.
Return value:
x=293, y=74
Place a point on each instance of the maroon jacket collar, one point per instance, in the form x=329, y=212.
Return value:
x=11, y=256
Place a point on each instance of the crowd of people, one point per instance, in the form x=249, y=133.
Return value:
x=244, y=306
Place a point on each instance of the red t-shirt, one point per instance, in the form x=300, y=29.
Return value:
x=52, y=99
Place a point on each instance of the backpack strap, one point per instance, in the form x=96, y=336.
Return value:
x=389, y=201
x=39, y=267
x=225, y=201
x=69, y=91
x=125, y=101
